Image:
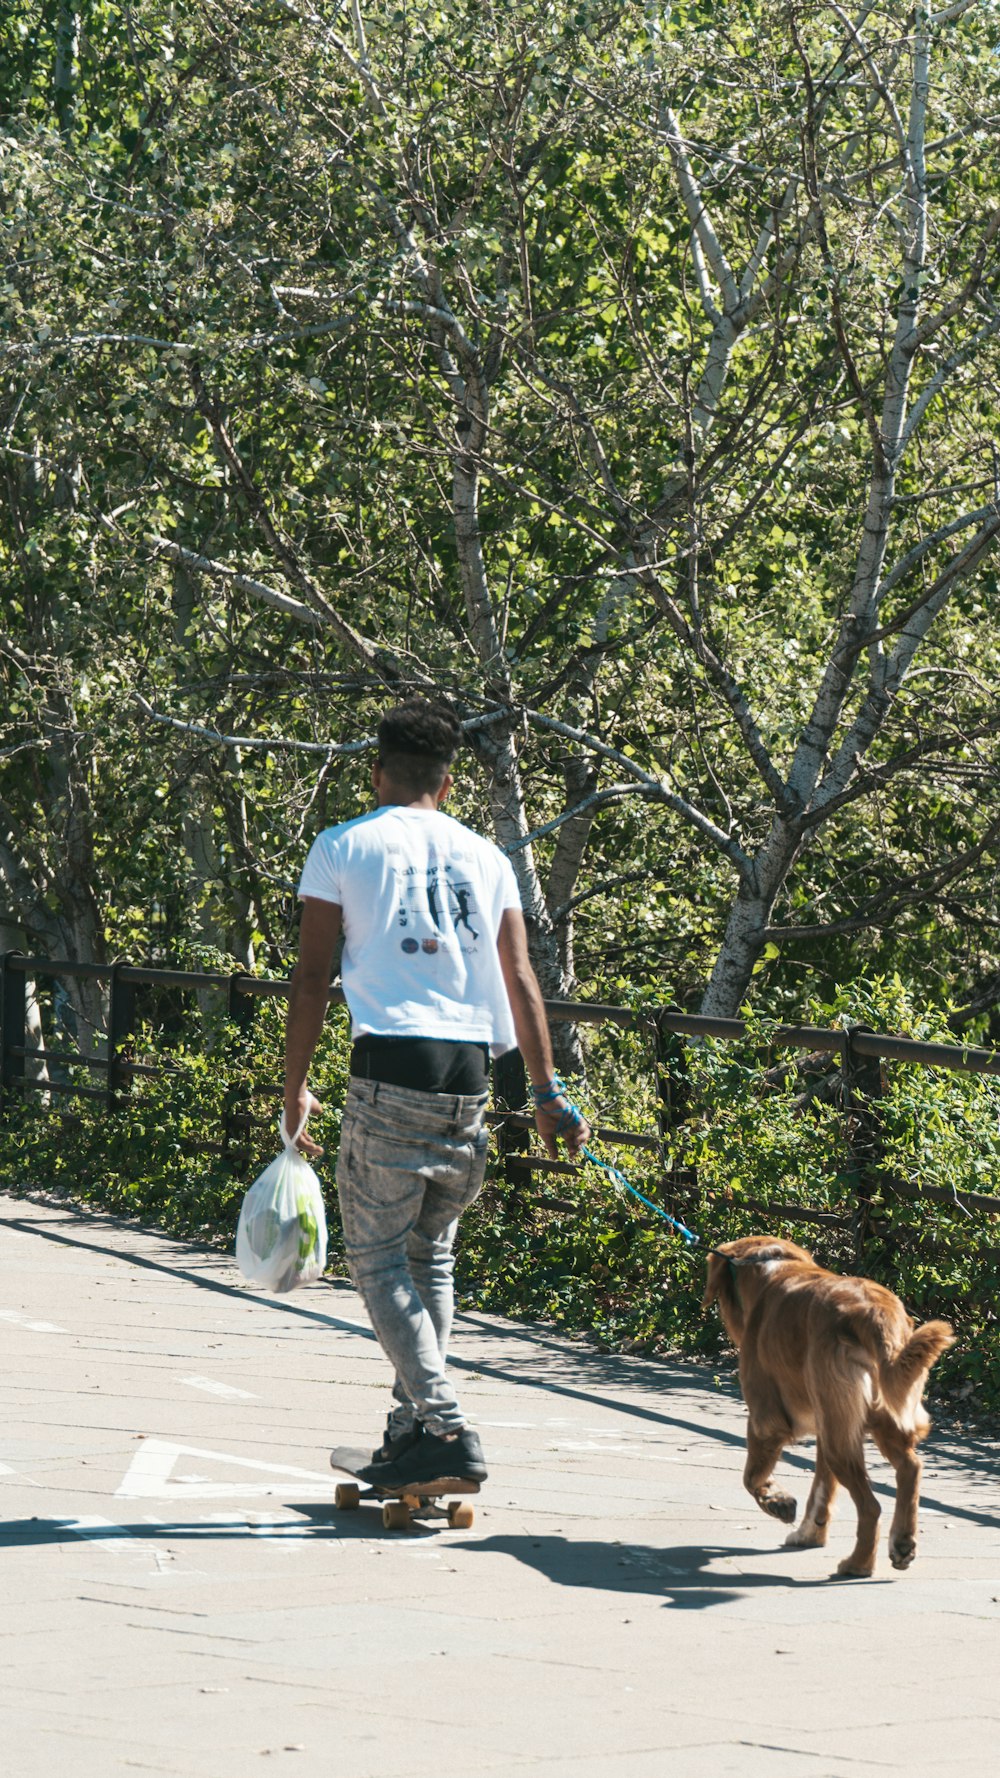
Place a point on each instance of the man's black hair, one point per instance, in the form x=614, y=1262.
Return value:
x=417, y=742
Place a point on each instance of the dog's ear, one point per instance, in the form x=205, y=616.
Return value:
x=720, y=1287
x=717, y=1264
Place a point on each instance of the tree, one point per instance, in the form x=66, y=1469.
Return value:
x=626, y=377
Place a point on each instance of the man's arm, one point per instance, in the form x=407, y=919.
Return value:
x=532, y=1030
x=307, y=1003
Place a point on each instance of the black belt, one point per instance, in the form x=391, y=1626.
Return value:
x=425, y=1064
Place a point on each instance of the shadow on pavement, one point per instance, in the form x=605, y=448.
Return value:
x=315, y=1525
x=681, y=1575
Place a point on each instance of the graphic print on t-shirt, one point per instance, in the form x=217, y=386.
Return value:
x=433, y=895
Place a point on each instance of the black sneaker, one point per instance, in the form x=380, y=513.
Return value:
x=394, y=1444
x=431, y=1461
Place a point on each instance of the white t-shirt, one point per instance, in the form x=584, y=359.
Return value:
x=422, y=899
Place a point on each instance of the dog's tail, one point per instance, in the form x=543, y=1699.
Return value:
x=901, y=1378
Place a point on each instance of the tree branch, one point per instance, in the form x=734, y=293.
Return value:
x=853, y=31
x=698, y=213
x=891, y=669
x=907, y=563
x=179, y=348
x=613, y=793
x=937, y=382
x=603, y=888
x=654, y=787
x=189, y=558
x=884, y=907
x=277, y=743
x=934, y=323
x=728, y=688
x=881, y=775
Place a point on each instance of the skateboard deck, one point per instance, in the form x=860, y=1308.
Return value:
x=400, y=1506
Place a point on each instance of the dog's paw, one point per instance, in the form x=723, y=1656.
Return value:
x=807, y=1536
x=780, y=1506
x=851, y=1570
x=902, y=1550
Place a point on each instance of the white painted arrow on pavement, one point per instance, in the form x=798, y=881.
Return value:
x=151, y=1474
x=25, y=1481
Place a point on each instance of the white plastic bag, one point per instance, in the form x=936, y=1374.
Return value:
x=281, y=1237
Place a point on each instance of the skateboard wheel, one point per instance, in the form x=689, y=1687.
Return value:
x=395, y=1515
x=460, y=1515
x=347, y=1497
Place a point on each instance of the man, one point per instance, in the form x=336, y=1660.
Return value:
x=437, y=978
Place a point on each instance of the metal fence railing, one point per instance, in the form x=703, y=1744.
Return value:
x=114, y=1065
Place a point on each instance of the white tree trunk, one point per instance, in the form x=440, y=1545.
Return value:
x=748, y=920
x=65, y=72
x=494, y=743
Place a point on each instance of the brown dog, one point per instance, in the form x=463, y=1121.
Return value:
x=835, y=1357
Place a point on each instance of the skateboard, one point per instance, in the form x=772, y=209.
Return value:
x=400, y=1506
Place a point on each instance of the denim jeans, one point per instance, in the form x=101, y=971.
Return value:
x=409, y=1164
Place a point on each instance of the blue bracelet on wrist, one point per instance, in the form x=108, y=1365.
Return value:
x=551, y=1089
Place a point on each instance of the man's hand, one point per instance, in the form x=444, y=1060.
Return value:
x=299, y=1106
x=307, y=999
x=553, y=1123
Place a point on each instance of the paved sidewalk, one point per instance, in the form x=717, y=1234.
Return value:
x=180, y=1597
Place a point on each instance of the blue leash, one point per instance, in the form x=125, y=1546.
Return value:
x=619, y=1178
x=556, y=1089
x=690, y=1239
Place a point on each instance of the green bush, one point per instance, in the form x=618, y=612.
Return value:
x=164, y=1156
x=762, y=1126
